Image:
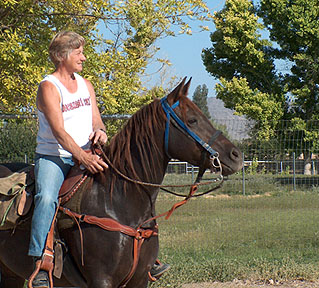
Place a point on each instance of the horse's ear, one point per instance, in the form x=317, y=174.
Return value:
x=177, y=93
x=186, y=86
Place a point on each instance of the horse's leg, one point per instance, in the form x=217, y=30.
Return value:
x=148, y=256
x=9, y=279
x=140, y=282
x=140, y=278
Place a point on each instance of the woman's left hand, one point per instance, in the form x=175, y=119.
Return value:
x=98, y=136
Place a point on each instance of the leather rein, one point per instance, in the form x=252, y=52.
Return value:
x=140, y=234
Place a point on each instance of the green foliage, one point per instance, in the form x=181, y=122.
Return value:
x=18, y=141
x=239, y=58
x=268, y=78
x=200, y=99
x=116, y=60
x=294, y=26
x=252, y=169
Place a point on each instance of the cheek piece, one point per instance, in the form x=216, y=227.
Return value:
x=170, y=113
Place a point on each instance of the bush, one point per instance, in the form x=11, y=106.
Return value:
x=18, y=141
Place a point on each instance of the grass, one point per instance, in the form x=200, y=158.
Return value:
x=270, y=235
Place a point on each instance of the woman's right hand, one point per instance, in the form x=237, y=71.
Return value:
x=92, y=162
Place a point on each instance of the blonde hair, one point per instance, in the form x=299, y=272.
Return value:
x=63, y=44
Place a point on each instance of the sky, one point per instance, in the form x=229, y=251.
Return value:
x=184, y=52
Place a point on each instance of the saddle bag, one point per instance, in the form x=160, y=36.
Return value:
x=15, y=201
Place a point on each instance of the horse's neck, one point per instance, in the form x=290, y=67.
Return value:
x=153, y=174
x=133, y=200
x=138, y=152
x=148, y=157
x=144, y=194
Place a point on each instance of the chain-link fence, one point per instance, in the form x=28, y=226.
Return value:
x=285, y=159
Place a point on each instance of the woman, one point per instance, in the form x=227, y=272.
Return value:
x=69, y=120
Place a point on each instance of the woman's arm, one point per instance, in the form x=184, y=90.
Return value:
x=99, y=131
x=48, y=102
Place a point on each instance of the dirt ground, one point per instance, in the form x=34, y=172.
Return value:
x=248, y=284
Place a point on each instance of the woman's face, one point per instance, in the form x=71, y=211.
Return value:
x=75, y=60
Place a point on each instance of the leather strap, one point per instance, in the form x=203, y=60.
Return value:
x=46, y=263
x=139, y=234
x=204, y=155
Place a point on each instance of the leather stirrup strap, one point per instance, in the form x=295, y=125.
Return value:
x=204, y=155
x=136, y=255
x=46, y=263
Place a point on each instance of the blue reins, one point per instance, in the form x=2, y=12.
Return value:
x=169, y=110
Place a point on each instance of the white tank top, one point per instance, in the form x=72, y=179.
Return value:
x=77, y=115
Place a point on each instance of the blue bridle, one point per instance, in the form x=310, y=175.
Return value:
x=169, y=110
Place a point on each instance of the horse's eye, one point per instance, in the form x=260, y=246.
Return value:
x=192, y=121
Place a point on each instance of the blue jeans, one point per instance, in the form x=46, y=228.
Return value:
x=50, y=172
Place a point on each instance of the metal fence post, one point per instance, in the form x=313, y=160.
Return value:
x=294, y=171
x=193, y=174
x=244, y=192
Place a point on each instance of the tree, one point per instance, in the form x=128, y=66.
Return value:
x=116, y=60
x=250, y=46
x=240, y=59
x=200, y=99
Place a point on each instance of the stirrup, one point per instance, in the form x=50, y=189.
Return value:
x=41, y=280
x=158, y=270
x=46, y=262
x=43, y=264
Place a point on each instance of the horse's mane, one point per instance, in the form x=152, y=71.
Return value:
x=134, y=150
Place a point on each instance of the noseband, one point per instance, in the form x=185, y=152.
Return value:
x=214, y=156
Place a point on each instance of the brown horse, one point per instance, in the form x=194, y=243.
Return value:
x=172, y=127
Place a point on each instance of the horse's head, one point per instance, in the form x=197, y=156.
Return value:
x=190, y=136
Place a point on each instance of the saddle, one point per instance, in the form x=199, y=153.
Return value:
x=16, y=199
x=15, y=195
x=17, y=190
